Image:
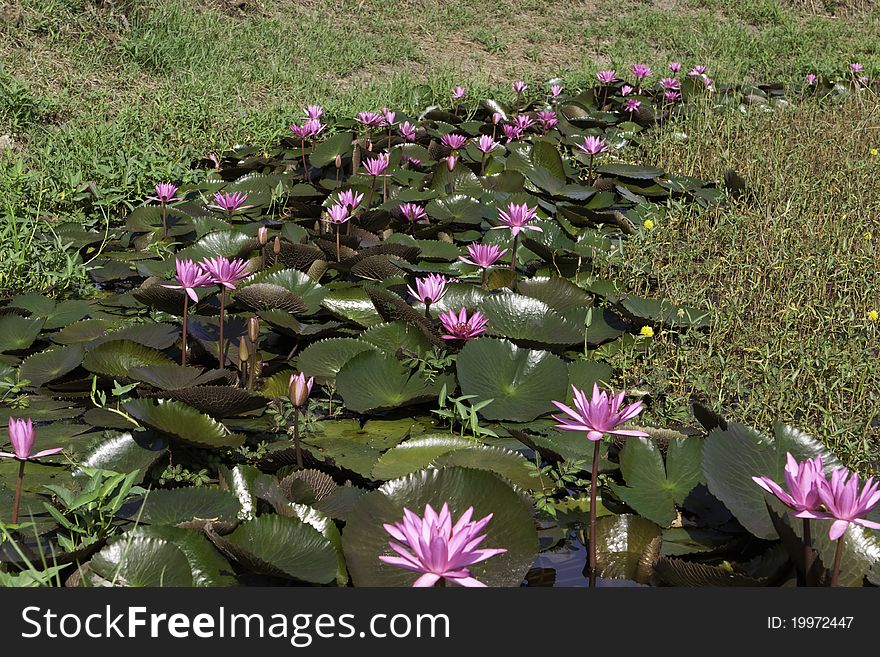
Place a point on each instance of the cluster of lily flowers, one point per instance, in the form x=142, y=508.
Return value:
x=856, y=71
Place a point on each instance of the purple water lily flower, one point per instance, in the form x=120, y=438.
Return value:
x=486, y=144
x=370, y=119
x=298, y=390
x=606, y=77
x=810, y=79
x=626, y=90
x=450, y=163
x=483, y=255
x=671, y=96
x=802, y=482
x=523, y=121
x=511, y=132
x=433, y=546
x=519, y=86
x=350, y=199
x=389, y=116
x=592, y=146
x=314, y=112
x=555, y=90
x=230, y=202
x=845, y=503
x=408, y=130
x=224, y=271
x=603, y=414
x=453, y=141
x=459, y=326
x=632, y=105
x=413, y=212
x=165, y=193
x=191, y=277
x=22, y=436
x=696, y=71
x=338, y=213
x=856, y=67
x=458, y=93
x=518, y=218
x=429, y=290
x=670, y=83
x=641, y=71
x=376, y=166
x=675, y=67
x=548, y=119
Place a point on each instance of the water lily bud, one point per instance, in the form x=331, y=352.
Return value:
x=263, y=235
x=299, y=389
x=276, y=247
x=243, y=353
x=254, y=329
x=338, y=161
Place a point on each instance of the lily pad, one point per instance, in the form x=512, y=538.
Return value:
x=183, y=422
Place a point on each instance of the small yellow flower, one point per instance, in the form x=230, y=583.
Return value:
x=873, y=315
x=649, y=224
x=648, y=332
x=867, y=235
x=874, y=152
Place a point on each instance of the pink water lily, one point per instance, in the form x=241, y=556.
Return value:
x=22, y=437
x=603, y=414
x=696, y=71
x=548, y=119
x=519, y=86
x=433, y=546
x=523, y=121
x=225, y=272
x=165, y=193
x=458, y=93
x=429, y=290
x=592, y=146
x=230, y=202
x=389, y=117
x=191, y=277
x=626, y=90
x=670, y=83
x=606, y=77
x=459, y=326
x=483, y=255
x=518, y=218
x=450, y=164
x=337, y=214
x=370, y=119
x=555, y=90
x=671, y=96
x=413, y=212
x=408, y=130
x=511, y=132
x=486, y=144
x=856, y=67
x=376, y=166
x=802, y=482
x=298, y=390
x=844, y=502
x=641, y=71
x=453, y=141
x=675, y=67
x=350, y=199
x=314, y=112
x=632, y=105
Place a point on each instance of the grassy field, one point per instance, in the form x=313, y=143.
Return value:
x=128, y=92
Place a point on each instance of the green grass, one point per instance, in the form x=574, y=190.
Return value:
x=128, y=92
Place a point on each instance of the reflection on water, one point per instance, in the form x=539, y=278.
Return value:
x=565, y=567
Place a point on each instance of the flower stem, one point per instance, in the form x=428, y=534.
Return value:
x=594, y=475
x=183, y=341
x=370, y=195
x=299, y=456
x=440, y=583
x=164, y=221
x=305, y=170
x=808, y=552
x=838, y=555
x=337, y=244
x=513, y=254
x=384, y=189
x=222, y=346
x=427, y=310
x=18, y=486
x=483, y=165
x=484, y=283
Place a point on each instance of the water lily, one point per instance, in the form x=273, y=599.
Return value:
x=298, y=390
x=225, y=273
x=485, y=145
x=675, y=67
x=230, y=202
x=641, y=71
x=413, y=212
x=856, y=67
x=438, y=549
x=429, y=290
x=22, y=436
x=593, y=146
x=696, y=71
x=802, y=481
x=314, y=112
x=408, y=131
x=511, y=132
x=337, y=215
x=523, y=121
x=632, y=105
x=458, y=93
x=376, y=166
x=519, y=87
x=350, y=199
x=453, y=141
x=626, y=90
x=555, y=90
x=670, y=83
x=165, y=194
x=191, y=277
x=459, y=326
x=370, y=119
x=548, y=119
x=389, y=116
x=483, y=256
x=607, y=77
x=601, y=415
x=671, y=96
x=810, y=79
x=450, y=164
x=517, y=218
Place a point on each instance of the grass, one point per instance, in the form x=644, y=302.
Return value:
x=129, y=92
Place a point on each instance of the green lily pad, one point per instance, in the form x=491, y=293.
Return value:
x=325, y=358
x=141, y=561
x=627, y=547
x=393, y=336
x=126, y=452
x=374, y=381
x=521, y=382
x=352, y=303
x=17, y=333
x=181, y=505
x=183, y=422
x=208, y=567
x=505, y=462
x=665, y=312
x=415, y=454
x=651, y=489
x=116, y=358
x=519, y=317
x=46, y=366
x=326, y=152
x=637, y=171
